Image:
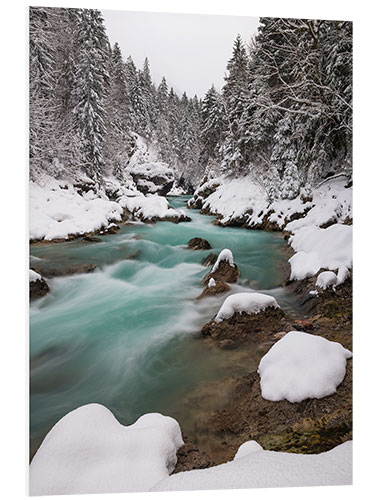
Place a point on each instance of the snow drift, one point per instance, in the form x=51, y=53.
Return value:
x=301, y=366
x=89, y=451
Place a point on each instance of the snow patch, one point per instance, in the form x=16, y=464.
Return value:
x=89, y=451
x=302, y=366
x=211, y=283
x=254, y=467
x=326, y=279
x=246, y=302
x=33, y=276
x=225, y=255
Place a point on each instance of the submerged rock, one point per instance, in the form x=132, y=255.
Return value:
x=91, y=239
x=198, y=244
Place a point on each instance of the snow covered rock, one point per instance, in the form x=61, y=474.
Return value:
x=89, y=451
x=152, y=208
x=152, y=178
x=248, y=303
x=244, y=317
x=224, y=269
x=254, y=467
x=326, y=279
x=302, y=366
x=214, y=287
x=37, y=285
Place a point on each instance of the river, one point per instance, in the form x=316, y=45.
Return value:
x=127, y=334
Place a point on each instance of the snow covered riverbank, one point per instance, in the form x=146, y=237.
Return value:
x=60, y=209
x=318, y=222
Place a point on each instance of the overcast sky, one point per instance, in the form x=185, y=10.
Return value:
x=191, y=51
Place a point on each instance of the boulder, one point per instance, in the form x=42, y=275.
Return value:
x=225, y=272
x=239, y=328
x=91, y=239
x=38, y=288
x=217, y=288
x=152, y=178
x=198, y=244
x=210, y=260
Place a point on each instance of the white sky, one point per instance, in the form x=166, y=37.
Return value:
x=190, y=50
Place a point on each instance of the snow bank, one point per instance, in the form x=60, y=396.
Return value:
x=89, y=451
x=301, y=366
x=33, y=276
x=151, y=169
x=149, y=206
x=318, y=248
x=58, y=210
x=254, y=467
x=249, y=303
x=225, y=255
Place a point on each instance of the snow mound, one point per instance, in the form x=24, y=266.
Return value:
x=225, y=255
x=246, y=302
x=149, y=207
x=33, y=276
x=319, y=248
x=89, y=451
x=254, y=467
x=301, y=366
x=152, y=169
x=326, y=279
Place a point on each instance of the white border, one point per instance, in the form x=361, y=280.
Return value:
x=14, y=195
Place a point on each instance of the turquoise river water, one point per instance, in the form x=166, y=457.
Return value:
x=127, y=334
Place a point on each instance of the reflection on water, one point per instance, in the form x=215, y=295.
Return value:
x=127, y=335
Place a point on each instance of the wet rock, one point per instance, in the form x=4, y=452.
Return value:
x=210, y=260
x=311, y=426
x=219, y=287
x=303, y=326
x=111, y=229
x=198, y=244
x=189, y=457
x=225, y=272
x=38, y=288
x=239, y=328
x=67, y=271
x=91, y=239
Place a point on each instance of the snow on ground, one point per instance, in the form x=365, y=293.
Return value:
x=301, y=366
x=245, y=302
x=318, y=248
x=57, y=210
x=225, y=255
x=326, y=279
x=33, y=276
x=254, y=467
x=89, y=451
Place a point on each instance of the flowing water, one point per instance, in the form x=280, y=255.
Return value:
x=127, y=334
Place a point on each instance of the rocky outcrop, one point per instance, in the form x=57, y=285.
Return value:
x=311, y=426
x=198, y=244
x=214, y=289
x=244, y=327
x=38, y=288
x=224, y=272
x=153, y=178
x=189, y=457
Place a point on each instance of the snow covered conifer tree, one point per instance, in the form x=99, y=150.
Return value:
x=91, y=89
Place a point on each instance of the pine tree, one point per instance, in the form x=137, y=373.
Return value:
x=90, y=91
